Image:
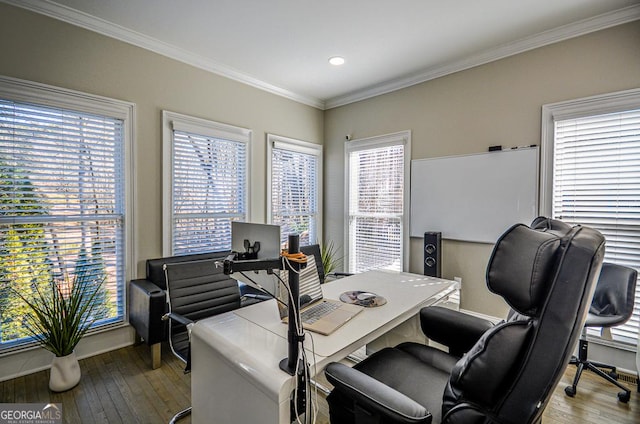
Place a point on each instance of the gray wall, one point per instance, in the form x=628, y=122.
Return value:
x=466, y=112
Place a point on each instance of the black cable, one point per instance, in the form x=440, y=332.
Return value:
x=262, y=289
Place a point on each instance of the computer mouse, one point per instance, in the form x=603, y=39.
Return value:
x=366, y=297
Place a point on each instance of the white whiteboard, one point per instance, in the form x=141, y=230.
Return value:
x=474, y=197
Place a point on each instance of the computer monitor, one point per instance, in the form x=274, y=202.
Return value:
x=268, y=237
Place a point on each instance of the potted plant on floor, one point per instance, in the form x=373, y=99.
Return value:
x=58, y=319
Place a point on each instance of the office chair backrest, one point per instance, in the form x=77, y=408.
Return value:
x=155, y=267
x=614, y=296
x=196, y=290
x=547, y=276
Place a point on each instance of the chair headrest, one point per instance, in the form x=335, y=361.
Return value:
x=521, y=266
x=542, y=223
x=613, y=300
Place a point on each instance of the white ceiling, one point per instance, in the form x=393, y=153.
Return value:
x=283, y=46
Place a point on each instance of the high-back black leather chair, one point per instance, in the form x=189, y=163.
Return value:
x=195, y=290
x=612, y=305
x=547, y=275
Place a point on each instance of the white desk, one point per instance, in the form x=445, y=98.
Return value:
x=235, y=375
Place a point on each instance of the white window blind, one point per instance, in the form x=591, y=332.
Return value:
x=208, y=185
x=295, y=189
x=62, y=208
x=597, y=183
x=589, y=175
x=376, y=204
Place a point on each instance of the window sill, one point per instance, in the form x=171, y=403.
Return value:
x=629, y=346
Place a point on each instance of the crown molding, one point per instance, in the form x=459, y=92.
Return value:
x=92, y=23
x=101, y=26
x=576, y=29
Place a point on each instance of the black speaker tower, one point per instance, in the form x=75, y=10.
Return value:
x=433, y=254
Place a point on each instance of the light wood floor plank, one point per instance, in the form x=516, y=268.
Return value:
x=103, y=405
x=119, y=403
x=146, y=399
x=138, y=411
x=19, y=390
x=70, y=410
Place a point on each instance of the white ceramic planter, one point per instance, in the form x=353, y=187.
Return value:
x=65, y=373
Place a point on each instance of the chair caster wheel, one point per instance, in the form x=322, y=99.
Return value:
x=570, y=391
x=613, y=375
x=624, y=397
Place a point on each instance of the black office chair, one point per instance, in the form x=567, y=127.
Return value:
x=508, y=374
x=612, y=305
x=195, y=290
x=314, y=249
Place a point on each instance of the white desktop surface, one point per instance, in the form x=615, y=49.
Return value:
x=405, y=294
x=235, y=373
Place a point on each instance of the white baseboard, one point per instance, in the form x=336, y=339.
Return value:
x=34, y=359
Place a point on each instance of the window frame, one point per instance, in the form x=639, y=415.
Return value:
x=299, y=146
x=594, y=105
x=392, y=139
x=573, y=109
x=45, y=95
x=203, y=127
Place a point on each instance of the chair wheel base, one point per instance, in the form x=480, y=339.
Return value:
x=613, y=375
x=570, y=391
x=624, y=396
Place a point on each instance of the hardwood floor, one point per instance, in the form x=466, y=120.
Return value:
x=116, y=387
x=120, y=387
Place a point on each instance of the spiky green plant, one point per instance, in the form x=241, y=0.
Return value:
x=58, y=321
x=330, y=259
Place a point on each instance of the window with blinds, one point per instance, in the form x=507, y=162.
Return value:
x=62, y=205
x=294, y=188
x=206, y=187
x=596, y=182
x=377, y=199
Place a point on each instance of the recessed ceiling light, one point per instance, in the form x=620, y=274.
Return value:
x=336, y=60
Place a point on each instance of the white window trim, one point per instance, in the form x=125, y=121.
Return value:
x=286, y=143
x=594, y=105
x=391, y=139
x=48, y=95
x=600, y=104
x=171, y=120
x=30, y=358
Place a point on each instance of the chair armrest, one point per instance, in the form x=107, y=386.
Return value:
x=147, y=305
x=257, y=296
x=250, y=295
x=457, y=330
x=180, y=319
x=339, y=274
x=376, y=396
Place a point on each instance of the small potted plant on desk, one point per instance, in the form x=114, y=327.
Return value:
x=331, y=260
x=58, y=319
